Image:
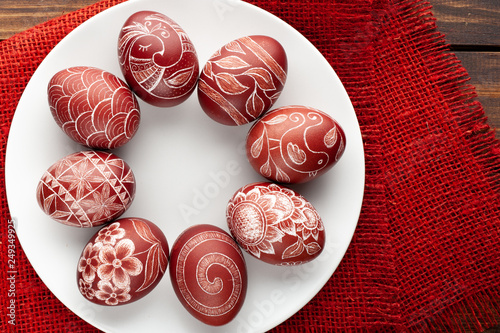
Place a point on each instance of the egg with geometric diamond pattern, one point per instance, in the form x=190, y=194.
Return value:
x=86, y=189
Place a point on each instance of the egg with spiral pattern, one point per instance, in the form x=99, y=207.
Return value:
x=208, y=274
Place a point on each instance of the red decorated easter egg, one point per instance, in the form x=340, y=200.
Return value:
x=243, y=79
x=86, y=189
x=275, y=224
x=157, y=58
x=208, y=274
x=123, y=262
x=294, y=144
x=93, y=107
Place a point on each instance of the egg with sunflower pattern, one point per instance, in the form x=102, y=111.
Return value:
x=275, y=224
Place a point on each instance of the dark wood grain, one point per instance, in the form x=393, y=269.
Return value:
x=19, y=15
x=469, y=22
x=484, y=70
x=472, y=29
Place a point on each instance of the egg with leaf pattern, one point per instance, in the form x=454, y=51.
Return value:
x=294, y=144
x=243, y=79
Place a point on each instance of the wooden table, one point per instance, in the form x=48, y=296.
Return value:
x=471, y=28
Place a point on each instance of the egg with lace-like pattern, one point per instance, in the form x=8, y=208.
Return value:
x=86, y=189
x=275, y=224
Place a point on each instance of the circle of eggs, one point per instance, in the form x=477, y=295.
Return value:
x=242, y=79
x=93, y=107
x=208, y=274
x=294, y=144
x=122, y=262
x=86, y=189
x=275, y=224
x=157, y=59
x=126, y=259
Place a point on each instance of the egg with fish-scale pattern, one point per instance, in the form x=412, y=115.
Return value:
x=93, y=107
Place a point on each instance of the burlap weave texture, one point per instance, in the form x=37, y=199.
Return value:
x=425, y=254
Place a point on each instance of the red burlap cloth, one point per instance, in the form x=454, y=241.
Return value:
x=425, y=255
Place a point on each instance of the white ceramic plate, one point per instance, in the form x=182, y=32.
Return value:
x=181, y=158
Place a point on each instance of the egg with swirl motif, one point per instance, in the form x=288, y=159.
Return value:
x=157, y=59
x=208, y=274
x=93, y=107
x=123, y=262
x=86, y=189
x=294, y=144
x=243, y=79
x=275, y=224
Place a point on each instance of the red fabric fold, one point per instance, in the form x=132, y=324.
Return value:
x=425, y=254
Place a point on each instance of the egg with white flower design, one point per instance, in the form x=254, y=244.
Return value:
x=86, y=189
x=123, y=262
x=275, y=224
